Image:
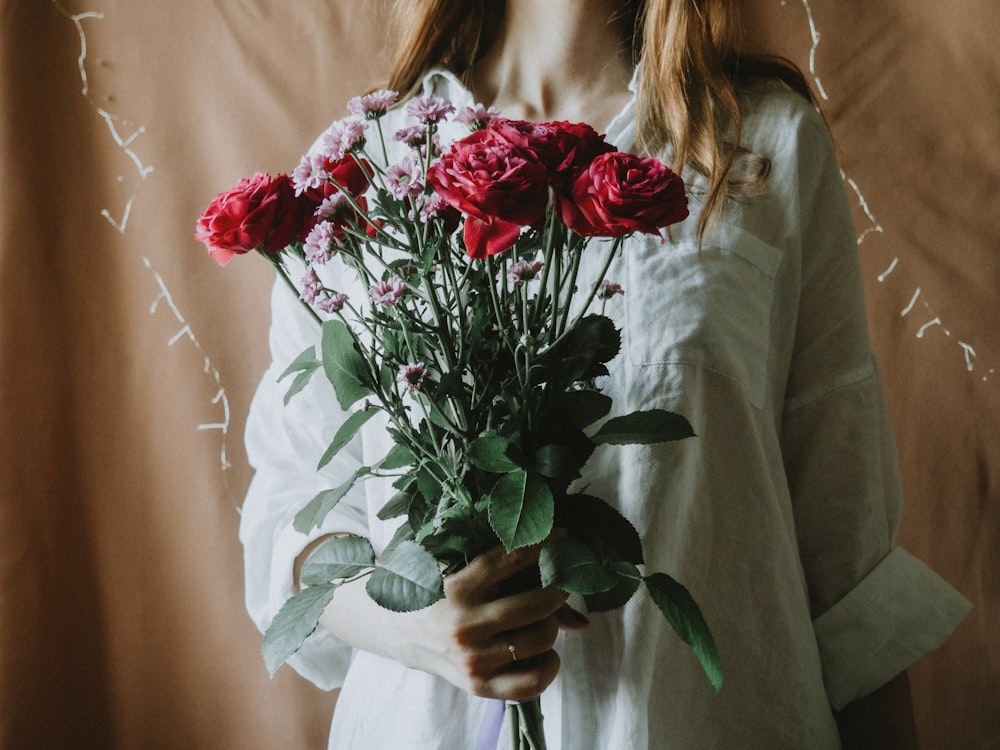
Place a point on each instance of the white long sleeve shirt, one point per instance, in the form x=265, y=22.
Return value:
x=780, y=516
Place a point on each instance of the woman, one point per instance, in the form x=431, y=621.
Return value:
x=780, y=517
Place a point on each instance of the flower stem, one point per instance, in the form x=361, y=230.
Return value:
x=283, y=273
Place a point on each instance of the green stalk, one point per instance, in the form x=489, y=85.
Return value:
x=615, y=246
x=529, y=722
x=547, y=251
x=502, y=320
x=283, y=273
x=381, y=140
x=573, y=273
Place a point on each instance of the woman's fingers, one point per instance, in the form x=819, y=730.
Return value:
x=478, y=581
x=521, y=645
x=571, y=619
x=501, y=644
x=523, y=608
x=521, y=681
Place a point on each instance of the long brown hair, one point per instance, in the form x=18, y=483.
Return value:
x=691, y=64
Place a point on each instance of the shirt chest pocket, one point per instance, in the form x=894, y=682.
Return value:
x=709, y=308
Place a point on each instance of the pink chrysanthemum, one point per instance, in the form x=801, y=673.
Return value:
x=429, y=108
x=609, y=289
x=334, y=303
x=523, y=270
x=412, y=377
x=309, y=174
x=373, y=105
x=332, y=207
x=388, y=293
x=343, y=137
x=403, y=179
x=322, y=242
x=312, y=287
x=432, y=207
x=477, y=116
x=413, y=136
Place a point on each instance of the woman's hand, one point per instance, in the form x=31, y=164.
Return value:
x=467, y=637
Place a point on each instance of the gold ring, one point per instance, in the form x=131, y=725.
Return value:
x=513, y=651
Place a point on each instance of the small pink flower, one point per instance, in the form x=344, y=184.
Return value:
x=609, y=289
x=334, y=303
x=332, y=207
x=523, y=271
x=388, y=293
x=414, y=136
x=478, y=116
x=373, y=105
x=312, y=287
x=343, y=137
x=433, y=206
x=310, y=174
x=403, y=179
x=429, y=108
x=412, y=376
x=322, y=242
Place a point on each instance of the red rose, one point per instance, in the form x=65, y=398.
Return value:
x=564, y=148
x=259, y=212
x=622, y=193
x=498, y=187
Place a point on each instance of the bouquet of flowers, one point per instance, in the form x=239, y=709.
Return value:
x=477, y=338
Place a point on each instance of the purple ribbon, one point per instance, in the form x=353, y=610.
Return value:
x=491, y=725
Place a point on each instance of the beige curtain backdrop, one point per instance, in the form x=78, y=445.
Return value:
x=128, y=358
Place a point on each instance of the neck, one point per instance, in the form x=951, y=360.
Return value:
x=557, y=60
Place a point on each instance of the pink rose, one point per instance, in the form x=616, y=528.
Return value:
x=622, y=193
x=259, y=212
x=498, y=187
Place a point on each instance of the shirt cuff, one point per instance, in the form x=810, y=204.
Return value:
x=899, y=612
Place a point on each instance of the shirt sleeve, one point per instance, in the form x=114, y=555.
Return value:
x=284, y=445
x=876, y=609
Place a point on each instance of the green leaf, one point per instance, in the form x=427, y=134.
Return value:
x=398, y=505
x=573, y=567
x=403, y=534
x=421, y=512
x=428, y=485
x=316, y=510
x=627, y=580
x=337, y=557
x=686, y=619
x=305, y=365
x=521, y=509
x=643, y=428
x=305, y=361
x=582, y=352
x=347, y=432
x=387, y=376
x=584, y=407
x=295, y=621
x=437, y=417
x=591, y=518
x=561, y=461
x=301, y=381
x=406, y=579
x=344, y=366
x=398, y=457
x=489, y=453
